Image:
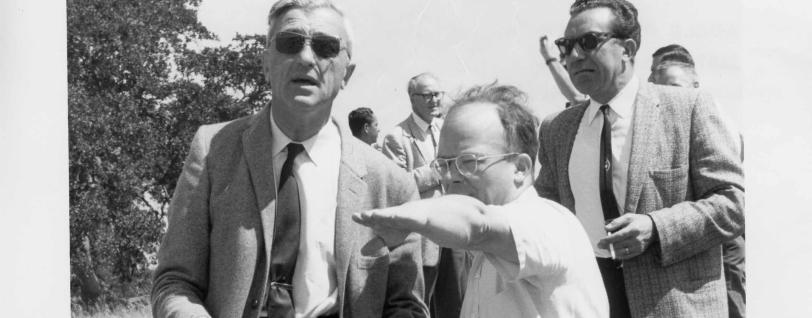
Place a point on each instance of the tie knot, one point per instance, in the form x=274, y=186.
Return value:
x=604, y=108
x=294, y=150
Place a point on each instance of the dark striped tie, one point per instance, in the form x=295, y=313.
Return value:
x=285, y=245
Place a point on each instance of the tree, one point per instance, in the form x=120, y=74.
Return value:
x=137, y=90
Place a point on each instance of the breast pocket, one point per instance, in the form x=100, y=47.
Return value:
x=670, y=186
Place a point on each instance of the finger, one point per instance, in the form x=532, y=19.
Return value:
x=616, y=238
x=360, y=218
x=618, y=223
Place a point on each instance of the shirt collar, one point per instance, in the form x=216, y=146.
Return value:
x=424, y=126
x=622, y=104
x=316, y=147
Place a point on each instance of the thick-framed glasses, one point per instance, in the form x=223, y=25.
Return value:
x=324, y=46
x=587, y=41
x=429, y=95
x=467, y=165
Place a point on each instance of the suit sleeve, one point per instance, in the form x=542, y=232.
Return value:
x=546, y=182
x=394, y=150
x=405, y=285
x=181, y=278
x=716, y=181
x=394, y=147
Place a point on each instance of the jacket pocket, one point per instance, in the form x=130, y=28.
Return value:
x=670, y=185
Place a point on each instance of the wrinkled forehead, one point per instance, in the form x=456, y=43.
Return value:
x=591, y=20
x=311, y=21
x=427, y=84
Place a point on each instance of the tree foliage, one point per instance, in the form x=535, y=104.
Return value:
x=137, y=90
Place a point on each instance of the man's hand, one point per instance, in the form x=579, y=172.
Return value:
x=547, y=49
x=631, y=235
x=390, y=224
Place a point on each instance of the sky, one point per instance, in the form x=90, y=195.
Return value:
x=469, y=42
x=753, y=56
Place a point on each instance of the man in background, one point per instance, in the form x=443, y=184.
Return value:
x=364, y=126
x=412, y=144
x=673, y=65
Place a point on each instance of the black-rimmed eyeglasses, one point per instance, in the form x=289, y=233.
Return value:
x=429, y=95
x=587, y=41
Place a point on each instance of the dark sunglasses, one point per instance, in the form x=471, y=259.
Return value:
x=588, y=42
x=324, y=46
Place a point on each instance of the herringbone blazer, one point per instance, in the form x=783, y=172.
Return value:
x=402, y=146
x=686, y=173
x=214, y=259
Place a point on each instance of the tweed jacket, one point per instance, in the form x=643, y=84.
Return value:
x=685, y=173
x=402, y=146
x=214, y=259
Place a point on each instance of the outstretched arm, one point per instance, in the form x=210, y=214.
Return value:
x=562, y=79
x=454, y=221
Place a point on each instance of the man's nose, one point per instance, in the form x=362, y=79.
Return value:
x=306, y=55
x=576, y=53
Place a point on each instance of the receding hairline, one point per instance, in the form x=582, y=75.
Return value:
x=412, y=84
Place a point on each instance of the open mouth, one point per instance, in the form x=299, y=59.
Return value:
x=583, y=71
x=305, y=81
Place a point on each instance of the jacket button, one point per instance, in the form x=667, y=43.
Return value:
x=254, y=303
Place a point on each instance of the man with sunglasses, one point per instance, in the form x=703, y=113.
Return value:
x=412, y=144
x=647, y=169
x=260, y=222
x=531, y=255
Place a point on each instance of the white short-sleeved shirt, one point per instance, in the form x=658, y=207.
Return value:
x=557, y=275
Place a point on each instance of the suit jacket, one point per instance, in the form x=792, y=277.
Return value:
x=404, y=145
x=685, y=172
x=214, y=258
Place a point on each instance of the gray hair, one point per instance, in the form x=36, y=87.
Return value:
x=413, y=81
x=283, y=6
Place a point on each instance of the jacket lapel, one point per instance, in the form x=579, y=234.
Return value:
x=256, y=142
x=646, y=115
x=352, y=191
x=416, y=134
x=564, y=143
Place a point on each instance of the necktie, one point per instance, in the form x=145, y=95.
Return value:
x=608, y=202
x=432, y=127
x=285, y=245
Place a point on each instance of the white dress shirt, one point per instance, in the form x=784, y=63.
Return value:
x=315, y=289
x=584, y=165
x=557, y=275
x=427, y=143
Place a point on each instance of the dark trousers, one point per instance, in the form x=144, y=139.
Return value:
x=612, y=275
x=733, y=264
x=445, y=283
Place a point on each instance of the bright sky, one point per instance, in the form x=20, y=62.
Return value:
x=476, y=42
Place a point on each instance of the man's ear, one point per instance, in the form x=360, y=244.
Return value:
x=366, y=128
x=629, y=48
x=350, y=69
x=696, y=84
x=524, y=167
x=266, y=65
